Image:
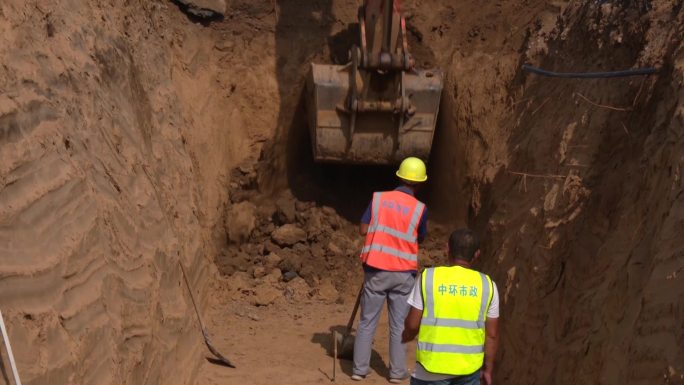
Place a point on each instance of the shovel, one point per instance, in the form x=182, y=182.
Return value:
x=220, y=358
x=345, y=342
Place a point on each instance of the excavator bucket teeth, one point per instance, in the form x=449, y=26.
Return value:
x=377, y=137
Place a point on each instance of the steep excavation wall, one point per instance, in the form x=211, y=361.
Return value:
x=113, y=164
x=583, y=222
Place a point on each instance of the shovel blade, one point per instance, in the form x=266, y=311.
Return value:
x=345, y=346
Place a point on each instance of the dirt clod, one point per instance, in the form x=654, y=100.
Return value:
x=274, y=276
x=240, y=221
x=327, y=291
x=259, y=271
x=272, y=260
x=285, y=210
x=297, y=290
x=288, y=235
x=265, y=294
x=289, y=276
x=239, y=281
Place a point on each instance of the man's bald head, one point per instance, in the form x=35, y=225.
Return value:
x=464, y=245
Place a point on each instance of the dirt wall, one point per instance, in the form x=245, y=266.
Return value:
x=114, y=156
x=121, y=126
x=580, y=222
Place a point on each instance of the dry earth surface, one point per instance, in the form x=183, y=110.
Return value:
x=133, y=136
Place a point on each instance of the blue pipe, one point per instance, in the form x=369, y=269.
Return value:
x=590, y=75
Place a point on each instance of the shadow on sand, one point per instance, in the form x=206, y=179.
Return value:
x=377, y=364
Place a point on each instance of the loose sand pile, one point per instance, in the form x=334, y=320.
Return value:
x=281, y=239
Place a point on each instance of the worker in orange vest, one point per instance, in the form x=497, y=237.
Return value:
x=394, y=223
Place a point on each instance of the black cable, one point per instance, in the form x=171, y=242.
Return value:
x=590, y=75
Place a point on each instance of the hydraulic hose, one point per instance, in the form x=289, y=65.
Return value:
x=590, y=75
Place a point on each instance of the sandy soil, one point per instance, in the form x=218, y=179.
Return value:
x=132, y=136
x=288, y=343
x=100, y=196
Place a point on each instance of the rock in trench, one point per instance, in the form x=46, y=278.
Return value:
x=288, y=235
x=327, y=291
x=205, y=9
x=272, y=260
x=274, y=276
x=297, y=289
x=239, y=281
x=265, y=295
x=285, y=212
x=240, y=221
x=259, y=271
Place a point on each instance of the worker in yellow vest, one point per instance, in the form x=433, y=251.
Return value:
x=455, y=313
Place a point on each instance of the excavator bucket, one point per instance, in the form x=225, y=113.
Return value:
x=377, y=109
x=376, y=137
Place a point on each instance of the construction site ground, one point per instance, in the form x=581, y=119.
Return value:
x=289, y=344
x=134, y=137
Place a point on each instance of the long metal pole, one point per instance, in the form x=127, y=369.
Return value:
x=9, y=351
x=387, y=26
x=334, y=341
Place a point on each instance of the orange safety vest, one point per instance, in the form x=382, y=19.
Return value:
x=392, y=239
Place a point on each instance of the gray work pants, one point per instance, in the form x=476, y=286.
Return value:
x=378, y=286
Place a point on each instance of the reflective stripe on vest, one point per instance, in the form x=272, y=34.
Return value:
x=410, y=235
x=392, y=238
x=450, y=348
x=391, y=251
x=447, y=344
x=465, y=324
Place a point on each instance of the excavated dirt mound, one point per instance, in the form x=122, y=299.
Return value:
x=280, y=238
x=133, y=136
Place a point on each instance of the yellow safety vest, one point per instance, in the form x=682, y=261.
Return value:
x=452, y=330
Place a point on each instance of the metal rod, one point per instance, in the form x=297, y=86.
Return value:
x=334, y=340
x=387, y=26
x=15, y=373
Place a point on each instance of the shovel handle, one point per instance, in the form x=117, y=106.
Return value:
x=356, y=309
x=334, y=333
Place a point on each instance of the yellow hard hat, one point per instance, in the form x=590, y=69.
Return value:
x=412, y=169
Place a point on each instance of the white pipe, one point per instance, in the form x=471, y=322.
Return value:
x=17, y=381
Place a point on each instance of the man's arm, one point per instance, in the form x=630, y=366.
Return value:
x=365, y=220
x=422, y=226
x=411, y=325
x=491, y=345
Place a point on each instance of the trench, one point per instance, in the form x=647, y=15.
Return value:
x=495, y=124
x=194, y=148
